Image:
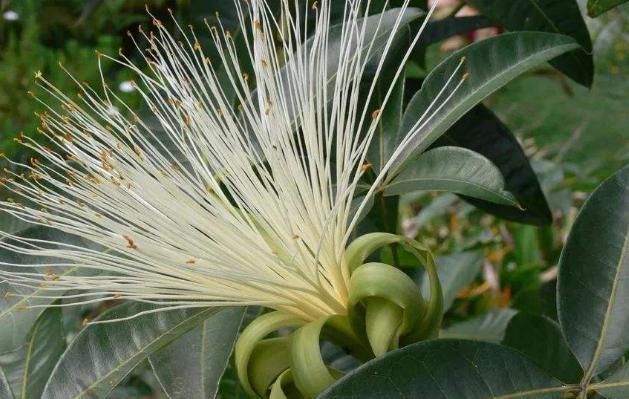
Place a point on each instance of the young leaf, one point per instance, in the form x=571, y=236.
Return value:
x=554, y=16
x=598, y=7
x=489, y=327
x=448, y=369
x=491, y=64
x=452, y=169
x=44, y=345
x=103, y=354
x=191, y=367
x=480, y=130
x=540, y=339
x=593, y=282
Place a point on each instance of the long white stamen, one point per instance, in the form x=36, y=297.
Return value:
x=216, y=200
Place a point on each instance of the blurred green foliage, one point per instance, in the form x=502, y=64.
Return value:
x=37, y=35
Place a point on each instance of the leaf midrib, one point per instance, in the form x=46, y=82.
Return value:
x=472, y=93
x=141, y=350
x=441, y=179
x=599, y=345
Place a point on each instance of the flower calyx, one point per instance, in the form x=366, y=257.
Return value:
x=279, y=356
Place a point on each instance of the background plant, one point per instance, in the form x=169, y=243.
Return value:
x=492, y=265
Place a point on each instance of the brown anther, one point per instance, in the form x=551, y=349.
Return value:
x=375, y=114
x=365, y=167
x=21, y=308
x=130, y=243
x=191, y=261
x=85, y=322
x=466, y=75
x=7, y=295
x=197, y=45
x=52, y=275
x=295, y=237
x=116, y=296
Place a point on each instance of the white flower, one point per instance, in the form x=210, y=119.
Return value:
x=10, y=15
x=207, y=205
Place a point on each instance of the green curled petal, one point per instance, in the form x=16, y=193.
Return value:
x=382, y=323
x=284, y=388
x=429, y=325
x=365, y=245
x=252, y=335
x=379, y=280
x=339, y=330
x=310, y=374
x=269, y=359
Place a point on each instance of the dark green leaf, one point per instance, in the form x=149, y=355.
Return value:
x=554, y=16
x=192, y=366
x=491, y=64
x=489, y=327
x=383, y=141
x=452, y=169
x=598, y=7
x=451, y=26
x=480, y=130
x=5, y=388
x=456, y=271
x=541, y=340
x=44, y=345
x=103, y=354
x=593, y=282
x=448, y=369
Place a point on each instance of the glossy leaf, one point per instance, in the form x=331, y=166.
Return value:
x=16, y=318
x=593, y=282
x=44, y=345
x=541, y=340
x=191, y=367
x=453, y=169
x=489, y=327
x=480, y=130
x=101, y=355
x=554, y=16
x=5, y=388
x=455, y=271
x=491, y=64
x=598, y=7
x=448, y=369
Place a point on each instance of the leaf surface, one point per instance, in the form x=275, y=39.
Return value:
x=491, y=64
x=191, y=367
x=453, y=169
x=101, y=355
x=482, y=131
x=448, y=369
x=593, y=281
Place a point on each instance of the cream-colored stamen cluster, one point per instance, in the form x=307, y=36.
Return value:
x=204, y=203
